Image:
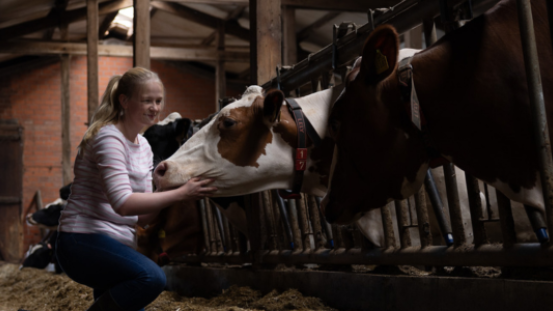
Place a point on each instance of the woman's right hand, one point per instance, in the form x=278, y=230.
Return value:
x=196, y=188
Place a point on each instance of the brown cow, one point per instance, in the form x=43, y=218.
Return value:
x=473, y=95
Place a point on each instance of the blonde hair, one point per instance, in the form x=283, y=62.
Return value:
x=110, y=109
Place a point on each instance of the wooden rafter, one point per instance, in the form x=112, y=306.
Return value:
x=231, y=27
x=104, y=27
x=57, y=11
x=184, y=54
x=67, y=17
x=305, y=32
x=342, y=5
x=231, y=17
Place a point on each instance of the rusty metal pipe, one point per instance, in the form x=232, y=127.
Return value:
x=303, y=218
x=315, y=222
x=270, y=220
x=537, y=104
x=220, y=226
x=326, y=226
x=293, y=212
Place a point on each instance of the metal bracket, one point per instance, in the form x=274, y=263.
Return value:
x=337, y=33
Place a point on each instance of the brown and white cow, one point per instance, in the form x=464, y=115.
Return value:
x=473, y=95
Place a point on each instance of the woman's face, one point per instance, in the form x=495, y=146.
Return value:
x=144, y=106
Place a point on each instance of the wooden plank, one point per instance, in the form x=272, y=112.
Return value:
x=231, y=27
x=289, y=42
x=167, y=53
x=57, y=10
x=67, y=17
x=265, y=42
x=67, y=175
x=220, y=79
x=342, y=5
x=9, y=200
x=92, y=57
x=141, y=35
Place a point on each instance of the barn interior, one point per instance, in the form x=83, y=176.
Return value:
x=57, y=56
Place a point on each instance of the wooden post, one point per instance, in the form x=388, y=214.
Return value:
x=92, y=58
x=65, y=113
x=220, y=80
x=265, y=41
x=289, y=41
x=141, y=34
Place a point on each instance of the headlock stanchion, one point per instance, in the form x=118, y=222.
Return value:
x=438, y=207
x=537, y=104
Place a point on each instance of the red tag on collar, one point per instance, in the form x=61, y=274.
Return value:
x=301, y=159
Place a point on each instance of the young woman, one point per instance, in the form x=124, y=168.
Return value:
x=112, y=192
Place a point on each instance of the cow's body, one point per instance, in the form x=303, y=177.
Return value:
x=473, y=94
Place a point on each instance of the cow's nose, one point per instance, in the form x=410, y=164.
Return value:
x=160, y=169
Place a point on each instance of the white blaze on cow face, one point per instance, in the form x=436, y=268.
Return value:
x=241, y=150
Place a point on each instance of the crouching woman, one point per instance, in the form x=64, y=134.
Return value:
x=112, y=192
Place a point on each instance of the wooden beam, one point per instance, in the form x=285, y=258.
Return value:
x=342, y=5
x=67, y=17
x=305, y=32
x=231, y=16
x=141, y=34
x=265, y=43
x=66, y=173
x=57, y=10
x=220, y=81
x=168, y=53
x=289, y=42
x=231, y=27
x=92, y=57
x=104, y=27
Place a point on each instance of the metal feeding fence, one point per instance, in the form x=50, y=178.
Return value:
x=295, y=232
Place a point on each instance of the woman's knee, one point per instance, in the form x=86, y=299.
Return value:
x=156, y=279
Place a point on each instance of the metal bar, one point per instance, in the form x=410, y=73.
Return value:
x=285, y=219
x=457, y=227
x=404, y=16
x=314, y=215
x=538, y=223
x=326, y=226
x=236, y=246
x=219, y=221
x=228, y=236
x=438, y=207
x=211, y=227
x=403, y=223
x=204, y=225
x=506, y=220
x=422, y=219
x=347, y=237
x=389, y=237
x=296, y=232
x=270, y=220
x=339, y=242
x=475, y=203
x=304, y=224
x=537, y=104
x=252, y=207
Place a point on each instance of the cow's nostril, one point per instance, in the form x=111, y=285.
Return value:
x=161, y=169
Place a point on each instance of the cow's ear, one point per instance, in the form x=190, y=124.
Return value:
x=182, y=126
x=271, y=105
x=380, y=54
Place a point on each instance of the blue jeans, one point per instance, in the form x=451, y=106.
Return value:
x=106, y=265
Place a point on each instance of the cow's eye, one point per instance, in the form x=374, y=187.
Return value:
x=227, y=123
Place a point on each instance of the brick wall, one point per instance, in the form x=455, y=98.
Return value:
x=33, y=98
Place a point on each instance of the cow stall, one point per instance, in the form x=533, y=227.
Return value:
x=292, y=233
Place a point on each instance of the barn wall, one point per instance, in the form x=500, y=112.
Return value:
x=34, y=99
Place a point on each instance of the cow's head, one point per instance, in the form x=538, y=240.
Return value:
x=378, y=154
x=238, y=147
x=167, y=136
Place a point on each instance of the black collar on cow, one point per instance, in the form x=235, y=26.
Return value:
x=410, y=98
x=305, y=129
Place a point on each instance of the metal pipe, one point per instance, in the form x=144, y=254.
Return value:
x=537, y=222
x=476, y=215
x=389, y=237
x=404, y=16
x=285, y=219
x=316, y=222
x=326, y=226
x=537, y=104
x=270, y=220
x=422, y=219
x=228, y=236
x=211, y=226
x=304, y=223
x=204, y=225
x=457, y=227
x=219, y=220
x=438, y=207
x=506, y=219
x=402, y=214
x=296, y=232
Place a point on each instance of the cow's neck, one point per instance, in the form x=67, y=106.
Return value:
x=316, y=108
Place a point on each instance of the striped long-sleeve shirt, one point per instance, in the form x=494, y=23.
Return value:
x=109, y=170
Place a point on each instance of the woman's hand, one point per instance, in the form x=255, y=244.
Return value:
x=196, y=188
